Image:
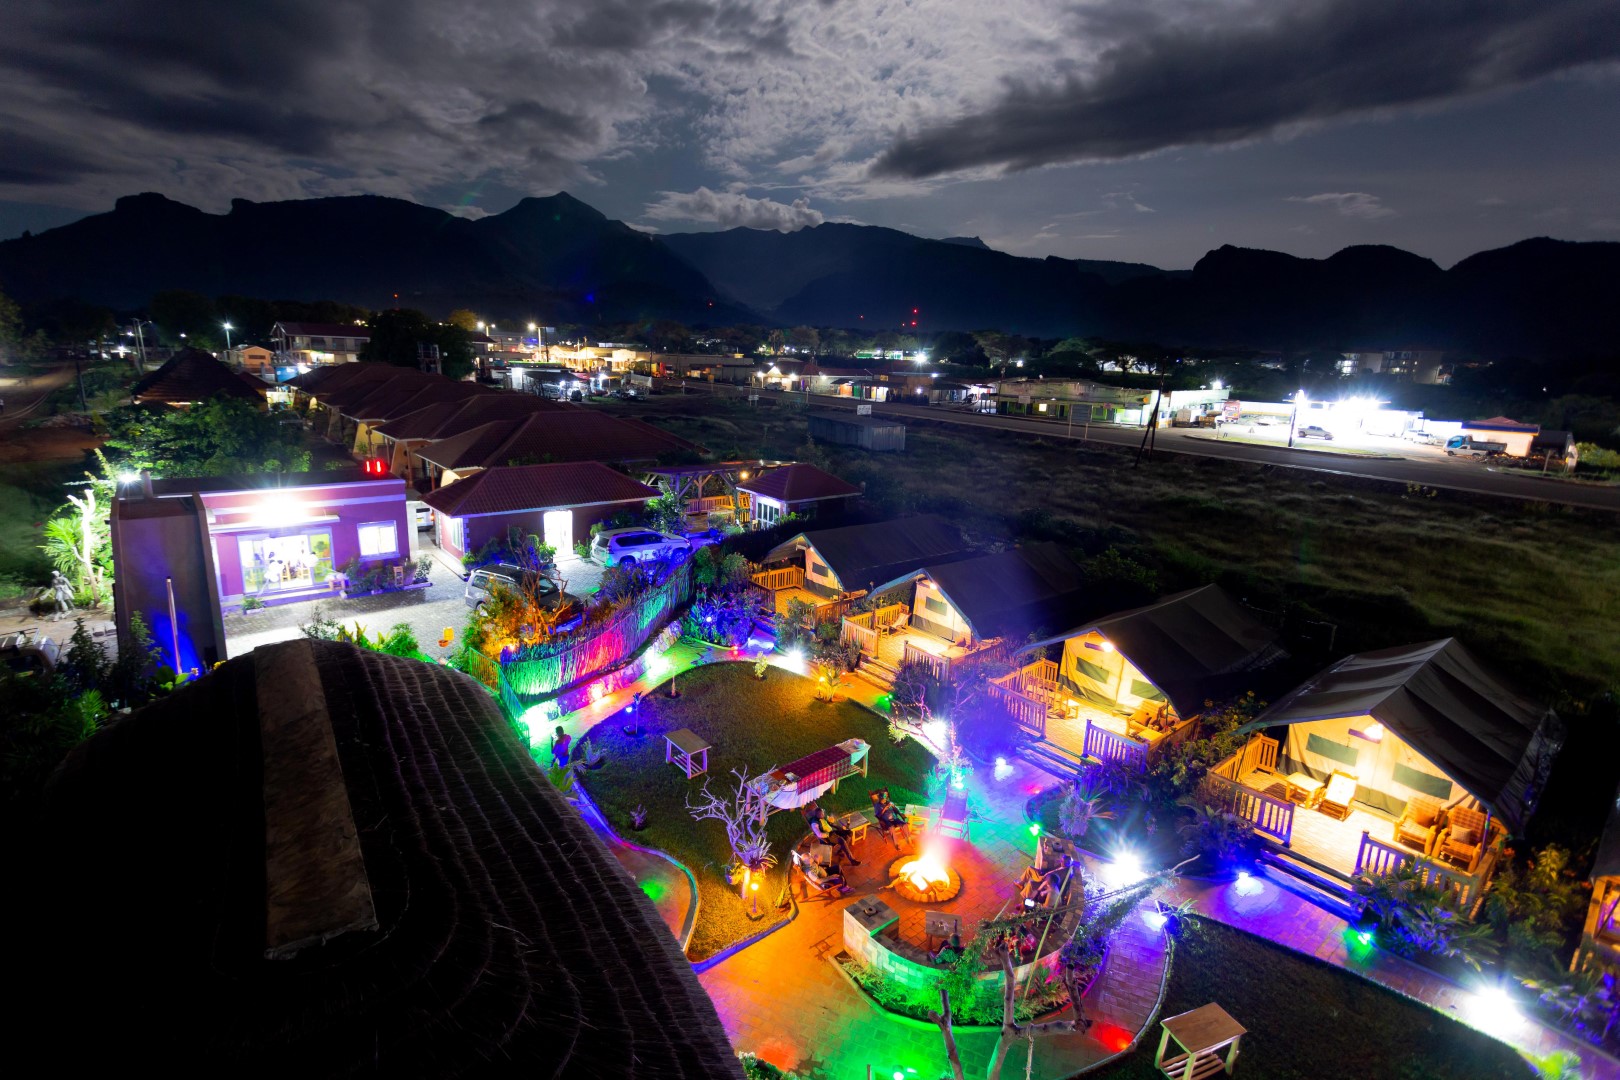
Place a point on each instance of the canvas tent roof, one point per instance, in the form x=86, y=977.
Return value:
x=865, y=555
x=1442, y=703
x=439, y=909
x=1027, y=588
x=1189, y=644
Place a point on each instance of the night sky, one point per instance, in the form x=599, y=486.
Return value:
x=1117, y=129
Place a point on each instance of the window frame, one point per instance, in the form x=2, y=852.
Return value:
x=360, y=543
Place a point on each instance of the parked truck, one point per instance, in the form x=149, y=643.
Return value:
x=1468, y=446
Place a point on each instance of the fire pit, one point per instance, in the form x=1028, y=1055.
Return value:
x=924, y=879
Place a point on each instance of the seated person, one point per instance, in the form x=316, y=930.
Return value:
x=1027, y=942
x=950, y=950
x=823, y=875
x=887, y=815
x=829, y=832
x=1033, y=885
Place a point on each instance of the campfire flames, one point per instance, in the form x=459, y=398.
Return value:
x=925, y=872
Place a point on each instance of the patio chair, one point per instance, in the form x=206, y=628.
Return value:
x=1462, y=841
x=811, y=889
x=953, y=817
x=1420, y=823
x=1340, y=792
x=896, y=621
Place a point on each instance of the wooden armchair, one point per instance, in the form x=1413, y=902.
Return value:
x=1338, y=795
x=812, y=880
x=1462, y=841
x=1420, y=823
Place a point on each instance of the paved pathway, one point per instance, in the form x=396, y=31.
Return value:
x=1261, y=907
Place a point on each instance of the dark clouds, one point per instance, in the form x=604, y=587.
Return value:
x=1206, y=74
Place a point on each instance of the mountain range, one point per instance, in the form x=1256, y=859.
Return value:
x=558, y=258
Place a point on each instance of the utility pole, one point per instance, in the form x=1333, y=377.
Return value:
x=78, y=373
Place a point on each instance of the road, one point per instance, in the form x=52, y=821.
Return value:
x=25, y=394
x=1447, y=473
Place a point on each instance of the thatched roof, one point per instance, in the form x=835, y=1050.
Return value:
x=432, y=906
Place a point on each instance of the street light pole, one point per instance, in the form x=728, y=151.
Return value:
x=227, y=338
x=1293, y=418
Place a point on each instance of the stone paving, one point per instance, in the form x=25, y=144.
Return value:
x=1264, y=908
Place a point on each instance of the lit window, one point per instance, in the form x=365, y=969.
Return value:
x=378, y=538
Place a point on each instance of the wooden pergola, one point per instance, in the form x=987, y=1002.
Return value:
x=697, y=484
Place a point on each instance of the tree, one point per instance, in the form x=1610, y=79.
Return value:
x=997, y=347
x=745, y=825
x=180, y=311
x=11, y=335
x=806, y=339
x=397, y=336
x=455, y=351
x=218, y=437
x=78, y=540
x=463, y=318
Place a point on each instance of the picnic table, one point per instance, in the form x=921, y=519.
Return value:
x=684, y=748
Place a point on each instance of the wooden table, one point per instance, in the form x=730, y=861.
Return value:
x=1200, y=1035
x=684, y=748
x=1305, y=790
x=856, y=822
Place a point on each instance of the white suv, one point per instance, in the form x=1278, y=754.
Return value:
x=627, y=547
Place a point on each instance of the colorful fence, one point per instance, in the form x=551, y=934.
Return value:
x=533, y=678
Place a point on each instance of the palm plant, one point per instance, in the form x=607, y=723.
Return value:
x=1079, y=810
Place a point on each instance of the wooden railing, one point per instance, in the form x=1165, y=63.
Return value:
x=1026, y=712
x=938, y=666
x=1105, y=745
x=1270, y=816
x=859, y=629
x=1376, y=857
x=710, y=503
x=1259, y=752
x=782, y=577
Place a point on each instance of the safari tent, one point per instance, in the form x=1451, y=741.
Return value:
x=1411, y=753
x=1125, y=683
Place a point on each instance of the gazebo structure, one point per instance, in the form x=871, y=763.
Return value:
x=1130, y=684
x=330, y=861
x=1412, y=756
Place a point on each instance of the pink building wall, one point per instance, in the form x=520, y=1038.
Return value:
x=340, y=508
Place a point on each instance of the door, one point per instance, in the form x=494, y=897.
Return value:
x=558, y=526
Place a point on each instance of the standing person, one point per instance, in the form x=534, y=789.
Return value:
x=559, y=747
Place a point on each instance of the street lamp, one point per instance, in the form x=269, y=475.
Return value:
x=1293, y=420
x=228, y=329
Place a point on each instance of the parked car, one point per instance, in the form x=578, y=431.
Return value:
x=627, y=547
x=1315, y=431
x=1265, y=421
x=483, y=581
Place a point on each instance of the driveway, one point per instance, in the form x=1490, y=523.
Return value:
x=426, y=611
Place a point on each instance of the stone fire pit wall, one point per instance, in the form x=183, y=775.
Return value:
x=872, y=939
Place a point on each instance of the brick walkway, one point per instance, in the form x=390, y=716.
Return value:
x=1263, y=908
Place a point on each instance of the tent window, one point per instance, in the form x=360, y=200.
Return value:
x=1437, y=786
x=1146, y=690
x=1094, y=672
x=1344, y=755
x=935, y=604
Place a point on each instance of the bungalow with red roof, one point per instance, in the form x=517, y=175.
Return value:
x=547, y=437
x=797, y=490
x=557, y=503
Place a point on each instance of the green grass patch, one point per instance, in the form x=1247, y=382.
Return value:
x=31, y=492
x=754, y=725
x=1308, y=1019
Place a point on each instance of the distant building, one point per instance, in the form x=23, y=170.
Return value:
x=253, y=358
x=866, y=432
x=313, y=344
x=1423, y=366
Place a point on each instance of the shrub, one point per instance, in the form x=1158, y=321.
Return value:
x=1416, y=919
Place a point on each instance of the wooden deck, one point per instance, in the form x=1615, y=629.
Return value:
x=1322, y=837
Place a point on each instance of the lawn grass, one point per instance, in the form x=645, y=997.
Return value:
x=1308, y=1019
x=30, y=493
x=755, y=725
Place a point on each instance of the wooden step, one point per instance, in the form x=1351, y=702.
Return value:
x=1326, y=891
x=861, y=673
x=1051, y=758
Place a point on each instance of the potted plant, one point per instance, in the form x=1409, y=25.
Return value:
x=251, y=604
x=590, y=756
x=761, y=666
